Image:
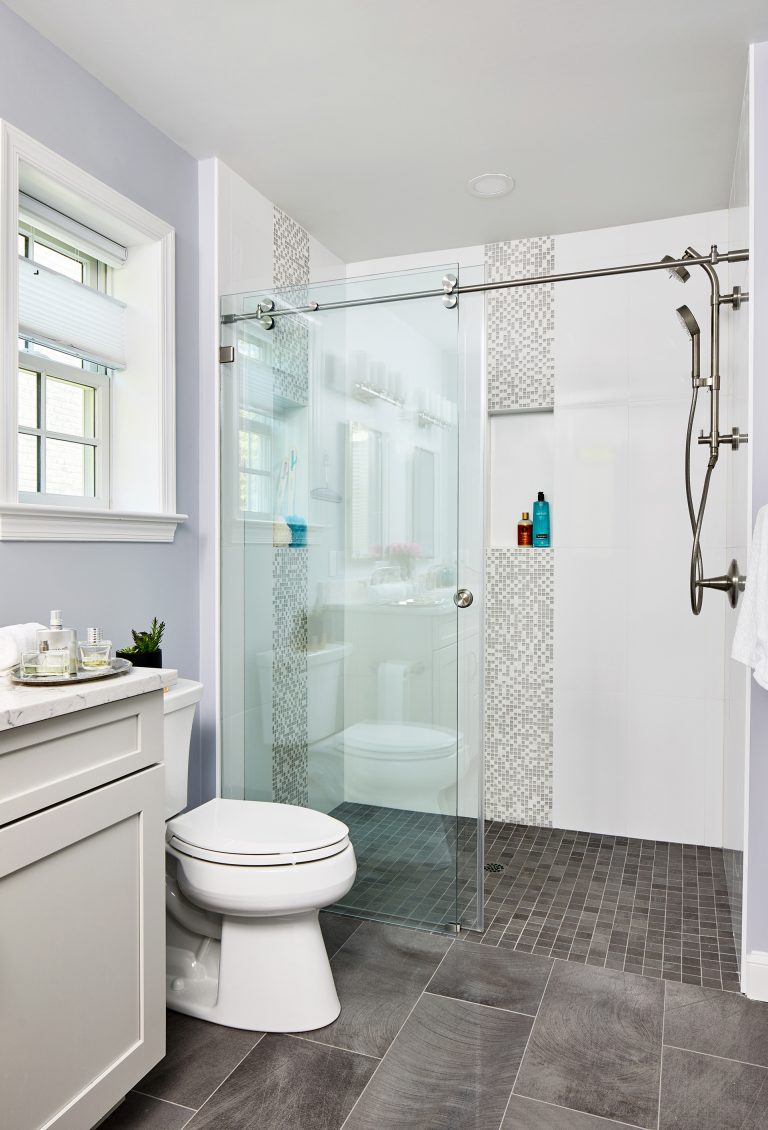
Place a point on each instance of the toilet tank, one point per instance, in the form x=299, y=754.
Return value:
x=325, y=677
x=179, y=703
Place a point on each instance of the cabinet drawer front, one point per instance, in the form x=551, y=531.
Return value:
x=47, y=762
x=83, y=957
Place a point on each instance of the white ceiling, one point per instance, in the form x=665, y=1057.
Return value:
x=364, y=119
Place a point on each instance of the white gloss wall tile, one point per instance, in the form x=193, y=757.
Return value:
x=591, y=618
x=592, y=338
x=590, y=737
x=672, y=652
x=656, y=496
x=590, y=489
x=681, y=793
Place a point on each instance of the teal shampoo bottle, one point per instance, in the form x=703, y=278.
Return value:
x=541, y=521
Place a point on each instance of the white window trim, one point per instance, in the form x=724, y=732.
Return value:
x=21, y=521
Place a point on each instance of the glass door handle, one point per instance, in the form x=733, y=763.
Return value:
x=462, y=598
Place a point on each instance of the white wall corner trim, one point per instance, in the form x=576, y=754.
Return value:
x=754, y=981
x=142, y=504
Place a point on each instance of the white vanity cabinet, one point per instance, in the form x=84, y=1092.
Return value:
x=82, y=919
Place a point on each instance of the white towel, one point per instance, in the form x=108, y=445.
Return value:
x=750, y=640
x=20, y=637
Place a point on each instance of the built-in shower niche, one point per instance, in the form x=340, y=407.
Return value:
x=346, y=647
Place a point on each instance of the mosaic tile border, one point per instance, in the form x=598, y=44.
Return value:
x=519, y=684
x=290, y=565
x=520, y=326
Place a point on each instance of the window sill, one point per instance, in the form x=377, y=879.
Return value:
x=25, y=522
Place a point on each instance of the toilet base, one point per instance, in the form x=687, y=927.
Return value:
x=265, y=975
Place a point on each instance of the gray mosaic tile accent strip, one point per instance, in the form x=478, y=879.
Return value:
x=519, y=684
x=290, y=337
x=290, y=368
x=520, y=326
x=289, y=676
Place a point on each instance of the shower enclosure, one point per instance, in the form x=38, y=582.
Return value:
x=350, y=665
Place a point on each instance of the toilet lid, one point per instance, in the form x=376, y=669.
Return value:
x=265, y=832
x=398, y=739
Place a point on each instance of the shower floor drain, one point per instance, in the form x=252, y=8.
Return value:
x=494, y=868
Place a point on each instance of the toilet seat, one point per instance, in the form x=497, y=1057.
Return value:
x=251, y=833
x=397, y=741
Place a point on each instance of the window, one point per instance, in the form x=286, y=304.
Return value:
x=255, y=440
x=63, y=398
x=87, y=356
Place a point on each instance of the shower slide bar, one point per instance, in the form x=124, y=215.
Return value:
x=266, y=311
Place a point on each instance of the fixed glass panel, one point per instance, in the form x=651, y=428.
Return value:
x=69, y=407
x=29, y=408
x=29, y=463
x=339, y=464
x=69, y=468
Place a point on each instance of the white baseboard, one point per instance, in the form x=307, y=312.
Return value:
x=754, y=980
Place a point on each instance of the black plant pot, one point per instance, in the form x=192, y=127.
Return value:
x=142, y=658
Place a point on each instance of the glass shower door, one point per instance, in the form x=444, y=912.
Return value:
x=340, y=651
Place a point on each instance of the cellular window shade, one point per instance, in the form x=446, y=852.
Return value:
x=47, y=219
x=63, y=314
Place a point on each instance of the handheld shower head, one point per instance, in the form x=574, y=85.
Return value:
x=680, y=273
x=688, y=322
x=691, y=327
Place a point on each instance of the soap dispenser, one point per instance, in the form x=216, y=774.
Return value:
x=541, y=521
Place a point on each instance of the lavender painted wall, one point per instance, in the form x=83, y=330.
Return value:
x=45, y=94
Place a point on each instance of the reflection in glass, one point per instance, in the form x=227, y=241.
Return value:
x=424, y=510
x=366, y=517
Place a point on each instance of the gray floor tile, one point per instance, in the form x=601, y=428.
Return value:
x=379, y=973
x=140, y=1112
x=288, y=1084
x=701, y=1093
x=198, y=1057
x=336, y=929
x=528, y=1114
x=596, y=1044
x=452, y=1066
x=709, y=1020
x=502, y=978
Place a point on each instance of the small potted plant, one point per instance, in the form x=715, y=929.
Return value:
x=145, y=649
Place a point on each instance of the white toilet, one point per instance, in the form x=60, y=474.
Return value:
x=245, y=881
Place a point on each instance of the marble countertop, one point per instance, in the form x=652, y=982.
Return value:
x=20, y=706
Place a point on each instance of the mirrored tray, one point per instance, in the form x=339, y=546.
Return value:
x=117, y=667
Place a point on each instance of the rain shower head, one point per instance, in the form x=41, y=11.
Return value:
x=679, y=273
x=688, y=322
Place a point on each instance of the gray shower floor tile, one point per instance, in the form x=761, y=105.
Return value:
x=641, y=906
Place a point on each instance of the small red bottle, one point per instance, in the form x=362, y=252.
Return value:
x=525, y=530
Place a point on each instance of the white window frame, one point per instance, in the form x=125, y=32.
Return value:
x=33, y=362
x=142, y=432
